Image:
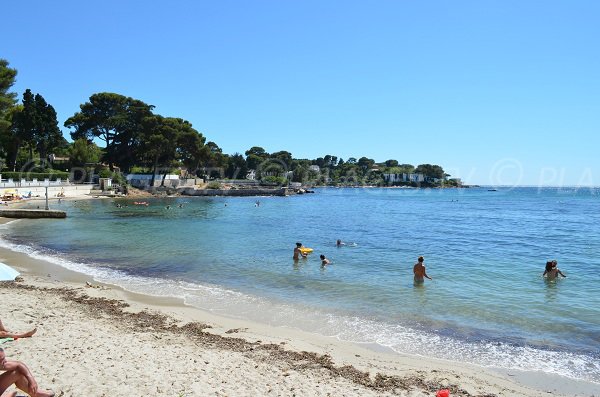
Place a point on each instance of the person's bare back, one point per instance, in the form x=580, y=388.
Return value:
x=419, y=271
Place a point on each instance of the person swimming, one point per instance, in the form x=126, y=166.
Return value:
x=324, y=261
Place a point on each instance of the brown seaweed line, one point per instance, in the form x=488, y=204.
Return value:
x=147, y=322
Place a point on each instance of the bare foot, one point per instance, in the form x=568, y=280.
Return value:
x=30, y=333
x=45, y=393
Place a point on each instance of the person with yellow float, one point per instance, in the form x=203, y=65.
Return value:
x=301, y=251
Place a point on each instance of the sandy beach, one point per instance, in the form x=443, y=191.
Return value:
x=99, y=340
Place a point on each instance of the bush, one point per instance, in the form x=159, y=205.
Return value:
x=213, y=185
x=40, y=176
x=117, y=177
x=274, y=181
x=140, y=170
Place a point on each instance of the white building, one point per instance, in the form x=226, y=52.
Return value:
x=399, y=178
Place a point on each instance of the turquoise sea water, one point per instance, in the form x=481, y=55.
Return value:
x=486, y=251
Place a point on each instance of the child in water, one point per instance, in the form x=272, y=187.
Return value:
x=552, y=271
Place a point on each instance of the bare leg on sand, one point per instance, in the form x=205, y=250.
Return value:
x=4, y=333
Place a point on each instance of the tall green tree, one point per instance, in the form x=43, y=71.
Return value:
x=112, y=118
x=255, y=156
x=192, y=152
x=35, y=126
x=7, y=99
x=84, y=152
x=433, y=171
x=157, y=142
x=284, y=157
x=365, y=163
x=167, y=140
x=47, y=136
x=236, y=167
x=217, y=161
x=23, y=126
x=127, y=141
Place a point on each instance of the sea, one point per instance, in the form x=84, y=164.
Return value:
x=485, y=250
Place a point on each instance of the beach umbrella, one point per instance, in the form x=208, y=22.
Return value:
x=7, y=273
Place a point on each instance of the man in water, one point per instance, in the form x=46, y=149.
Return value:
x=419, y=271
x=324, y=261
x=298, y=253
x=18, y=374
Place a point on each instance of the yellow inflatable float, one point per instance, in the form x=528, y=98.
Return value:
x=306, y=250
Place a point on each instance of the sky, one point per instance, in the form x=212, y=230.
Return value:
x=496, y=92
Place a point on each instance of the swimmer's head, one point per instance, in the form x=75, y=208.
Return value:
x=298, y=244
x=322, y=257
x=420, y=259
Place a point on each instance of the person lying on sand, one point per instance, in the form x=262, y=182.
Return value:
x=4, y=333
x=18, y=374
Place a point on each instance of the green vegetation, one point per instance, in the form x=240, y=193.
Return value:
x=274, y=181
x=40, y=176
x=117, y=177
x=135, y=139
x=213, y=185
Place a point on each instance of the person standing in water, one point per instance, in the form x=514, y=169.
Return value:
x=419, y=271
x=552, y=271
x=324, y=261
x=298, y=253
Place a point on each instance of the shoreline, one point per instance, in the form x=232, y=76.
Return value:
x=338, y=364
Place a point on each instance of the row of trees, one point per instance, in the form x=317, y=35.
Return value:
x=330, y=169
x=134, y=138
x=133, y=135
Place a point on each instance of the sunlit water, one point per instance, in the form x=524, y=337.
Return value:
x=487, y=303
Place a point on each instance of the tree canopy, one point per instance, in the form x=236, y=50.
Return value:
x=133, y=135
x=7, y=99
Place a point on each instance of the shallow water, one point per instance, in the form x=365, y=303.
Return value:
x=487, y=303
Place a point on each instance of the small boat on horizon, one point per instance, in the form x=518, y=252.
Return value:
x=492, y=190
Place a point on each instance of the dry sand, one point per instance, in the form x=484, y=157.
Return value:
x=99, y=340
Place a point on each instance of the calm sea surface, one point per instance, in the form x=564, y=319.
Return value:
x=486, y=251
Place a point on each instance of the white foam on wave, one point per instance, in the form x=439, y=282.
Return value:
x=486, y=354
x=355, y=329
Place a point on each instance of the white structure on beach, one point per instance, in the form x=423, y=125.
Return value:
x=31, y=188
x=170, y=180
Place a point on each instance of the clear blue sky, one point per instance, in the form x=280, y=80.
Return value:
x=496, y=92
